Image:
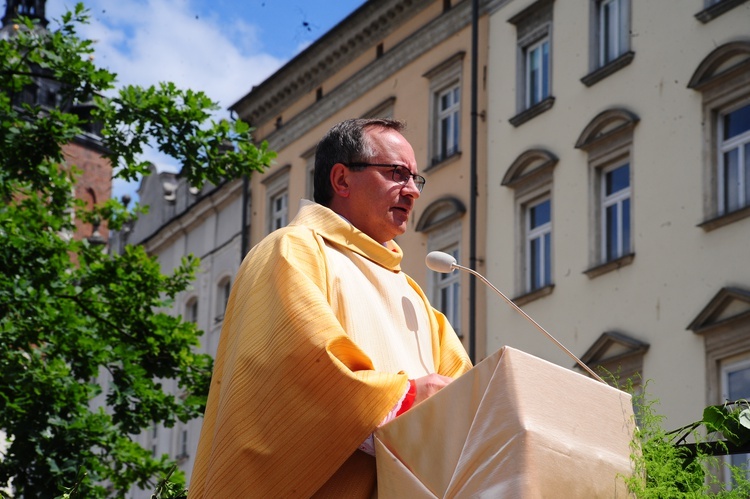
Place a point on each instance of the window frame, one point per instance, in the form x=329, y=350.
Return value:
x=728, y=366
x=277, y=186
x=441, y=222
x=309, y=158
x=534, y=27
x=537, y=90
x=223, y=290
x=621, y=36
x=741, y=144
x=448, y=126
x=452, y=283
x=192, y=311
x=543, y=233
x=445, y=78
x=721, y=78
x=608, y=141
x=531, y=176
x=606, y=201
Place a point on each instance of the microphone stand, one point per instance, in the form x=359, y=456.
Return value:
x=454, y=265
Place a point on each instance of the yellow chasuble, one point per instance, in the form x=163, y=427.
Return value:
x=321, y=334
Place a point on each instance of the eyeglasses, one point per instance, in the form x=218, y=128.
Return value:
x=400, y=175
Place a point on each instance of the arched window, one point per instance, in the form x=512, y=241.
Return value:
x=722, y=80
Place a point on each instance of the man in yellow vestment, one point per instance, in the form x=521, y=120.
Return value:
x=324, y=337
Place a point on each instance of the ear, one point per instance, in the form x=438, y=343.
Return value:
x=340, y=180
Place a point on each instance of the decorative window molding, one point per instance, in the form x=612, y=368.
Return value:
x=616, y=354
x=529, y=168
x=440, y=213
x=382, y=110
x=530, y=177
x=604, y=71
x=715, y=8
x=723, y=78
x=608, y=140
x=446, y=87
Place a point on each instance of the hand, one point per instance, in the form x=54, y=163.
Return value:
x=429, y=385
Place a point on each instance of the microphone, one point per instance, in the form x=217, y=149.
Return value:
x=445, y=264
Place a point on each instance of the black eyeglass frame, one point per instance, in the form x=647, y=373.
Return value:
x=419, y=180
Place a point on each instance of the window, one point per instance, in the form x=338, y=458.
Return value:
x=445, y=109
x=222, y=297
x=537, y=73
x=722, y=77
x=608, y=140
x=184, y=440
x=448, y=291
x=154, y=439
x=534, y=61
x=736, y=386
x=530, y=177
x=609, y=39
x=309, y=158
x=441, y=221
x=277, y=195
x=724, y=324
x=279, y=210
x=538, y=245
x=615, y=212
x=613, y=31
x=191, y=310
x=448, y=120
x=734, y=160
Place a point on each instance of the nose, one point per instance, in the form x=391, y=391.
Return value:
x=410, y=188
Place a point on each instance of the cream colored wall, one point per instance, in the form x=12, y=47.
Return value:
x=678, y=267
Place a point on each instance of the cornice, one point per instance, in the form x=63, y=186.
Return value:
x=401, y=55
x=349, y=39
x=190, y=218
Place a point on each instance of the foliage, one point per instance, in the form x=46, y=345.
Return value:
x=70, y=312
x=683, y=463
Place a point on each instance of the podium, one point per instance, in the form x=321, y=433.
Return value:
x=515, y=426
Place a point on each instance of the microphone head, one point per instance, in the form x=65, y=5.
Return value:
x=440, y=262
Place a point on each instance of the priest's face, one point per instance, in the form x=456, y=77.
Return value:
x=381, y=206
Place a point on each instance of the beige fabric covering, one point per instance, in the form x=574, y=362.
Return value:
x=515, y=426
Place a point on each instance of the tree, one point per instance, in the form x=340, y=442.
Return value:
x=68, y=310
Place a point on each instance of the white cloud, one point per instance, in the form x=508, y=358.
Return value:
x=150, y=41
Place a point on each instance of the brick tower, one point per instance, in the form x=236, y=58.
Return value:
x=85, y=152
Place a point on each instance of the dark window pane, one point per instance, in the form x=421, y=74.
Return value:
x=617, y=179
x=737, y=122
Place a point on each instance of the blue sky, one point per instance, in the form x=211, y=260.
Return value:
x=222, y=47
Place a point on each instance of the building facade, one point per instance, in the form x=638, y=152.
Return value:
x=618, y=194
x=404, y=59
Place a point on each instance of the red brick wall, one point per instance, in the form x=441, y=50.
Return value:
x=94, y=183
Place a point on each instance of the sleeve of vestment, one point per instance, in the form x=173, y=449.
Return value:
x=292, y=397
